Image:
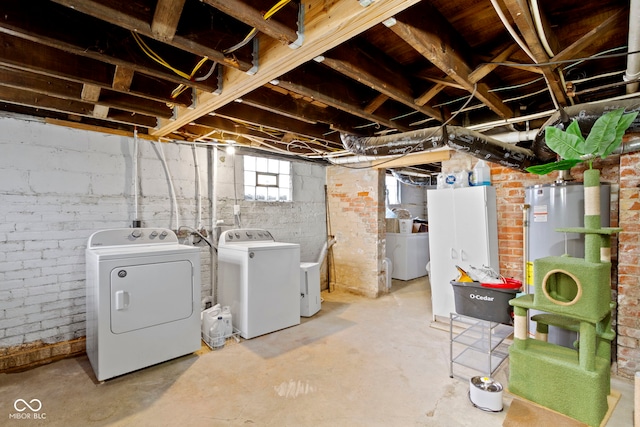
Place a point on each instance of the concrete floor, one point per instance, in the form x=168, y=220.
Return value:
x=359, y=362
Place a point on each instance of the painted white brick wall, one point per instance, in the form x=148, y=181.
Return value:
x=57, y=186
x=301, y=221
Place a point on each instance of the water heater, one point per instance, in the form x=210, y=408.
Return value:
x=552, y=206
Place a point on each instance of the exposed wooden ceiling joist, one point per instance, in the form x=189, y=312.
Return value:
x=522, y=17
x=166, y=18
x=247, y=14
x=167, y=67
x=348, y=60
x=429, y=39
x=103, y=11
x=325, y=26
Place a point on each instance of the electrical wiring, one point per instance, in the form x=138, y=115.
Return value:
x=564, y=61
x=182, y=87
x=157, y=58
x=412, y=149
x=254, y=31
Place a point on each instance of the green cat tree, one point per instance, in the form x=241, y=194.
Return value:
x=574, y=293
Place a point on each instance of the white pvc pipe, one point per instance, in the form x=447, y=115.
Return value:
x=511, y=31
x=537, y=18
x=214, y=222
x=515, y=137
x=171, y=187
x=135, y=174
x=633, y=61
x=323, y=252
x=198, y=225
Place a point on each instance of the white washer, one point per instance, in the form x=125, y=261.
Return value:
x=259, y=279
x=143, y=291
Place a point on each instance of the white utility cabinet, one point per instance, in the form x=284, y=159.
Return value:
x=463, y=230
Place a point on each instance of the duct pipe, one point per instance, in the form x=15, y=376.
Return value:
x=411, y=179
x=633, y=61
x=455, y=137
x=586, y=115
x=517, y=136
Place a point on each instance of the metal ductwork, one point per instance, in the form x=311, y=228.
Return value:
x=410, y=179
x=586, y=115
x=490, y=149
x=458, y=138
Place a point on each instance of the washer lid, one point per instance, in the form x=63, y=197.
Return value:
x=117, y=252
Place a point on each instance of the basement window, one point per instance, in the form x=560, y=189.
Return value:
x=391, y=186
x=267, y=180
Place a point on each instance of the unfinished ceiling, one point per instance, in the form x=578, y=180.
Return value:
x=291, y=77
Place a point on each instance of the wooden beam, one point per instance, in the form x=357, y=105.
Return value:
x=77, y=108
x=412, y=159
x=307, y=86
x=27, y=55
x=616, y=21
x=326, y=26
x=90, y=93
x=445, y=82
x=94, y=128
x=166, y=18
x=482, y=70
x=122, y=78
x=226, y=126
x=116, y=46
x=252, y=17
x=106, y=13
x=72, y=91
x=426, y=32
x=258, y=117
x=350, y=61
x=372, y=106
x=522, y=17
x=100, y=111
x=299, y=109
x=428, y=95
x=531, y=68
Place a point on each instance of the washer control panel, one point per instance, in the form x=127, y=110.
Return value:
x=131, y=236
x=242, y=235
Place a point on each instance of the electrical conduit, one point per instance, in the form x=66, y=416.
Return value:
x=171, y=187
x=633, y=61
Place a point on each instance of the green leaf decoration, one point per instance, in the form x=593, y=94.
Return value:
x=605, y=136
x=567, y=145
x=623, y=124
x=555, y=166
x=574, y=129
x=603, y=132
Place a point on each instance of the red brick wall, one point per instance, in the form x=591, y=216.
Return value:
x=356, y=218
x=623, y=173
x=628, y=321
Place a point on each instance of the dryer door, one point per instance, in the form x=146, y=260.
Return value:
x=145, y=295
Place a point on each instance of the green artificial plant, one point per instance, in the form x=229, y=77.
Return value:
x=605, y=136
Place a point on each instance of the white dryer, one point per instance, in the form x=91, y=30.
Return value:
x=259, y=279
x=143, y=292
